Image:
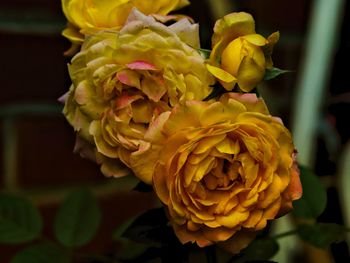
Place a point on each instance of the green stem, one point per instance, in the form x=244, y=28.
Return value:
x=285, y=234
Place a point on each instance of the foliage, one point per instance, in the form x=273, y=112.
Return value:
x=147, y=236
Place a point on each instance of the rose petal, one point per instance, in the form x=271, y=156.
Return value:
x=141, y=65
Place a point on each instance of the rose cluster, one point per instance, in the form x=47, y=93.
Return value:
x=142, y=103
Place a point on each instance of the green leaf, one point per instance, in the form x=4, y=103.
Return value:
x=314, y=199
x=272, y=73
x=150, y=228
x=20, y=221
x=259, y=249
x=77, y=219
x=129, y=249
x=322, y=235
x=41, y=253
x=205, y=53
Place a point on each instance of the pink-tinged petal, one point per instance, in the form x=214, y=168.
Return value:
x=154, y=132
x=85, y=149
x=63, y=98
x=187, y=32
x=153, y=88
x=112, y=167
x=125, y=100
x=278, y=119
x=141, y=65
x=129, y=78
x=250, y=100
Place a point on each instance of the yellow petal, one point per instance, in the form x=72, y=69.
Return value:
x=234, y=219
x=217, y=113
x=160, y=184
x=218, y=234
x=72, y=33
x=207, y=143
x=272, y=193
x=186, y=236
x=254, y=217
x=250, y=74
x=221, y=74
x=228, y=146
x=255, y=39
x=268, y=49
x=232, y=56
x=233, y=25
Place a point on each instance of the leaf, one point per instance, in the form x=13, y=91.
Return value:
x=322, y=235
x=205, y=53
x=131, y=250
x=272, y=73
x=143, y=187
x=77, y=219
x=20, y=221
x=259, y=249
x=41, y=253
x=314, y=199
x=150, y=228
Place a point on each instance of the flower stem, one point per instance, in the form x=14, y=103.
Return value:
x=284, y=234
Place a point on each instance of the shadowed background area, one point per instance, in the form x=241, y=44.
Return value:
x=37, y=159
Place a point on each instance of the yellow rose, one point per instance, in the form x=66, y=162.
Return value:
x=222, y=169
x=85, y=17
x=240, y=56
x=122, y=80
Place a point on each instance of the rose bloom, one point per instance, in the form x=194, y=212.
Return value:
x=222, y=169
x=239, y=55
x=122, y=80
x=88, y=16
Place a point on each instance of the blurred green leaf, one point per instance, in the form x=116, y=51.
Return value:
x=131, y=250
x=272, y=73
x=150, y=228
x=20, y=221
x=314, y=199
x=259, y=250
x=119, y=231
x=322, y=235
x=77, y=219
x=41, y=253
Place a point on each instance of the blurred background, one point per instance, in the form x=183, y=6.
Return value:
x=36, y=157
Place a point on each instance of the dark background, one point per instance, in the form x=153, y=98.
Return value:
x=36, y=141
